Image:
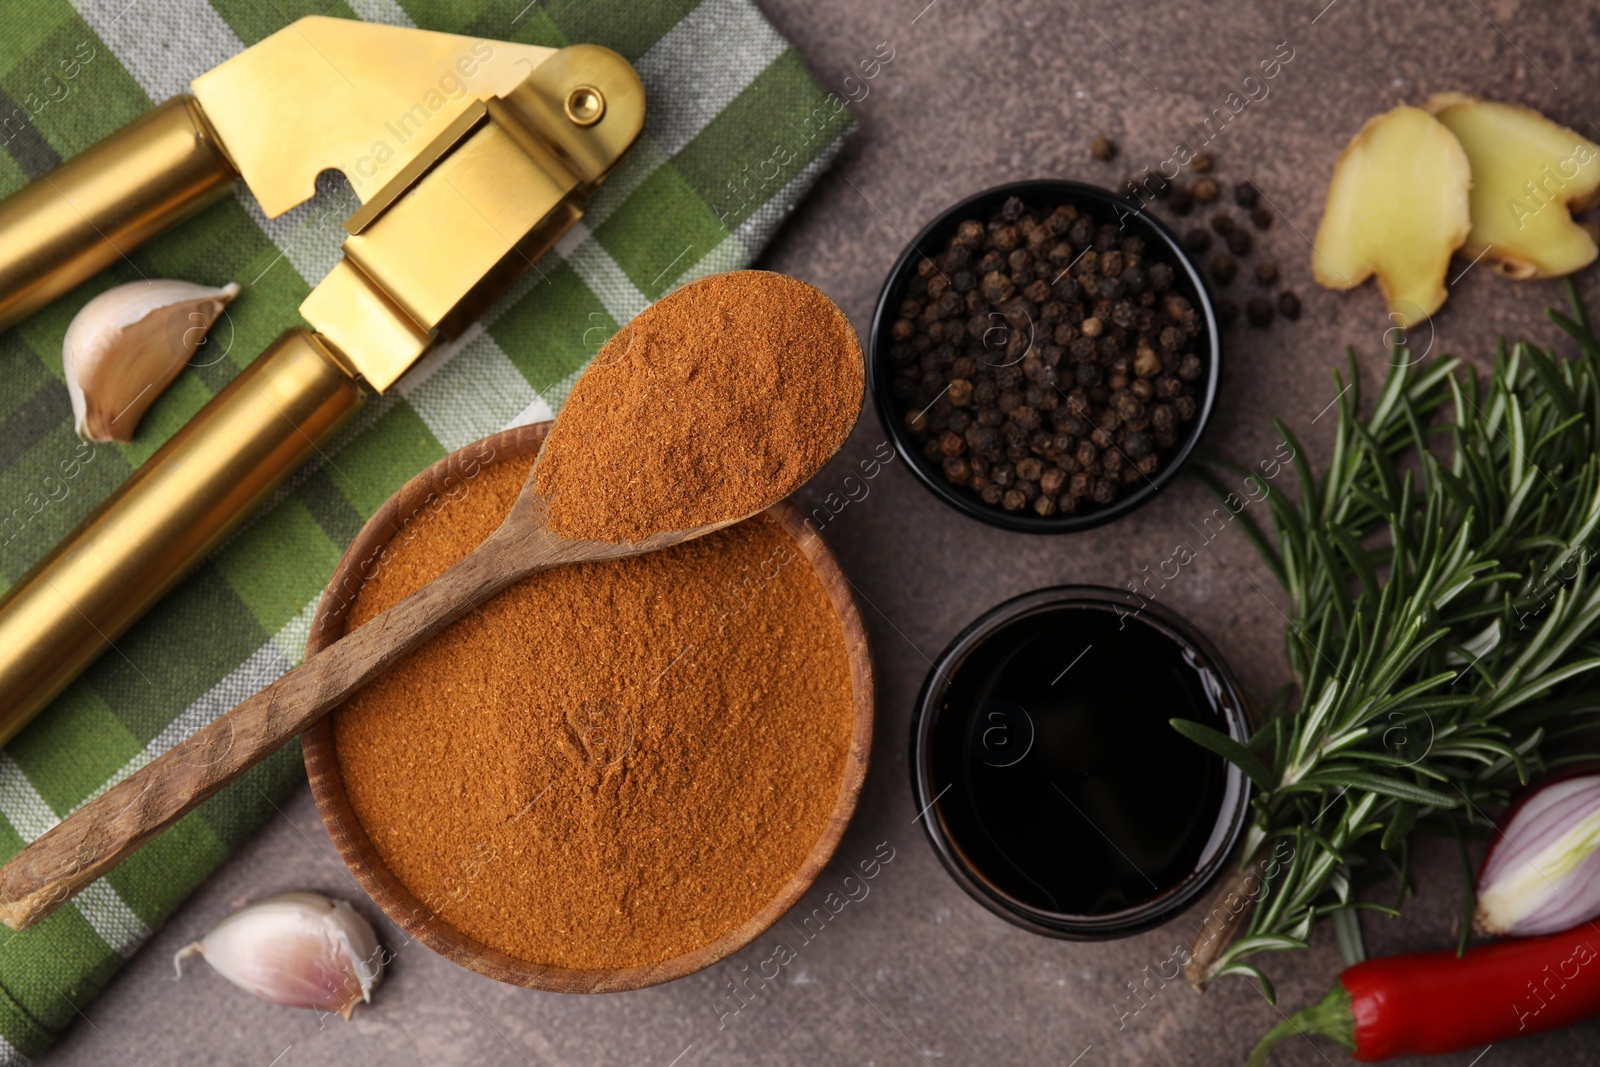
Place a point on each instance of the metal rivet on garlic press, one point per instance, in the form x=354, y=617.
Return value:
x=585, y=105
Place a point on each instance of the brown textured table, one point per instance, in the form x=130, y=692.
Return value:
x=916, y=972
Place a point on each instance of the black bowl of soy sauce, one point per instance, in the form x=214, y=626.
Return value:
x=1052, y=784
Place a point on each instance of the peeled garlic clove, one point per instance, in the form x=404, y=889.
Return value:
x=300, y=949
x=127, y=344
x=1542, y=873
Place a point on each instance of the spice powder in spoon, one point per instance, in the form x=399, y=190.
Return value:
x=720, y=399
x=610, y=764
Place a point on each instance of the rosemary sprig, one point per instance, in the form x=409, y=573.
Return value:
x=1443, y=629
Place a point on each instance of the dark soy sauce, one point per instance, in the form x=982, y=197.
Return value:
x=1069, y=790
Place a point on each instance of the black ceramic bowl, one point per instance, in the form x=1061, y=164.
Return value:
x=1044, y=195
x=1050, y=781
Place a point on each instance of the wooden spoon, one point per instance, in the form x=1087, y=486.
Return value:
x=95, y=838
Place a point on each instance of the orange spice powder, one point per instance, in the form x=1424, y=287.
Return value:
x=715, y=401
x=608, y=765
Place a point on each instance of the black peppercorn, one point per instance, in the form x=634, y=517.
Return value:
x=997, y=289
x=1104, y=149
x=1202, y=163
x=1245, y=194
x=1028, y=350
x=1240, y=242
x=1204, y=190
x=1197, y=241
x=1223, y=223
x=1267, y=272
x=1223, y=269
x=1259, y=312
x=1262, y=218
x=1289, y=305
x=1227, y=313
x=1182, y=199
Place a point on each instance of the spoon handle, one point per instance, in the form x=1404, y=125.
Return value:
x=95, y=838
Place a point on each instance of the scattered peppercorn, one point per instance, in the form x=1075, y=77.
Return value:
x=1064, y=337
x=1197, y=241
x=1205, y=190
x=1202, y=163
x=1289, y=305
x=1223, y=223
x=1224, y=269
x=1227, y=313
x=1262, y=218
x=1182, y=199
x=1259, y=312
x=1104, y=149
x=1239, y=241
x=1245, y=194
x=1267, y=272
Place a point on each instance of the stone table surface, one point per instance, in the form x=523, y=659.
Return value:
x=979, y=93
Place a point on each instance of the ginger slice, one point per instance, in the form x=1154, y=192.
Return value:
x=1528, y=175
x=1398, y=208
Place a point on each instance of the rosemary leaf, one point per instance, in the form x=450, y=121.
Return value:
x=1444, y=631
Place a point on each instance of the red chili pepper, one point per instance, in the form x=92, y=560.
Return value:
x=1427, y=1003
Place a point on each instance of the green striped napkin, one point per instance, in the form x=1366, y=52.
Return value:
x=738, y=130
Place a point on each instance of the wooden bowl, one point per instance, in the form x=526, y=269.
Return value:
x=397, y=902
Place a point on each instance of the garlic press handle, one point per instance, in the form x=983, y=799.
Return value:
x=167, y=517
x=96, y=208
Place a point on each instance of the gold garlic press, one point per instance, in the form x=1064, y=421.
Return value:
x=470, y=159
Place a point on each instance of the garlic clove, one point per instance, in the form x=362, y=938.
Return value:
x=1542, y=873
x=300, y=949
x=127, y=344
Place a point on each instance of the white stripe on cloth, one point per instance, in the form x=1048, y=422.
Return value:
x=594, y=265
x=10, y=1057
x=100, y=905
x=726, y=43
x=163, y=45
x=467, y=389
x=388, y=12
